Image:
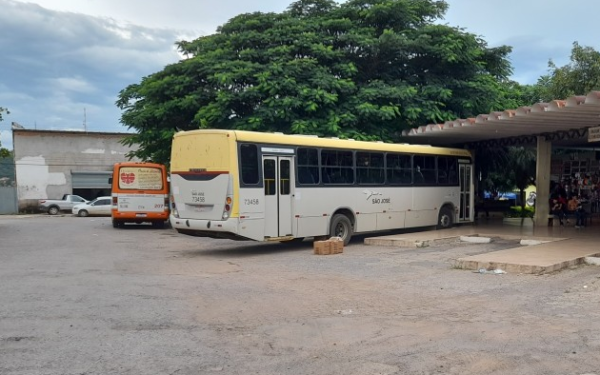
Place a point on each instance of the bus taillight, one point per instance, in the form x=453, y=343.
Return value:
x=227, y=208
x=174, y=208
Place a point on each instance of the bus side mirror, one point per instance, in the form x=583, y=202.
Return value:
x=110, y=181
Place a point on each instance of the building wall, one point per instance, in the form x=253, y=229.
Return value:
x=44, y=160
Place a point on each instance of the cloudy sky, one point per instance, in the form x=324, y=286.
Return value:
x=63, y=62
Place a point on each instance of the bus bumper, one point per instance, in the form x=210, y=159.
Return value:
x=206, y=228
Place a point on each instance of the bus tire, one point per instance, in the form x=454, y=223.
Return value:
x=341, y=227
x=115, y=223
x=445, y=218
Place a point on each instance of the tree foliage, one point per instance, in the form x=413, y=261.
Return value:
x=364, y=69
x=4, y=153
x=580, y=76
x=506, y=169
x=3, y=110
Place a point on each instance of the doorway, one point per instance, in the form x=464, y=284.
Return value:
x=278, y=185
x=465, y=212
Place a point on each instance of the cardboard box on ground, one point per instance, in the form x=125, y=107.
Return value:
x=334, y=245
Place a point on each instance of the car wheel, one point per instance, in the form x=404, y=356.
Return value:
x=83, y=213
x=341, y=227
x=445, y=219
x=53, y=210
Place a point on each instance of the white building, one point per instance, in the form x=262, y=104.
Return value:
x=51, y=163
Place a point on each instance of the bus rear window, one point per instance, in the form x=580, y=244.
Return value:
x=136, y=178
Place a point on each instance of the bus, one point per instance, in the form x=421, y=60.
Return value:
x=274, y=187
x=140, y=193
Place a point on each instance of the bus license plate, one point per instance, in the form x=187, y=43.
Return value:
x=140, y=215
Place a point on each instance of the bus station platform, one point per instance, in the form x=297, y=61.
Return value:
x=542, y=249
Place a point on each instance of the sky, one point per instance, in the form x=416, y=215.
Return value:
x=63, y=62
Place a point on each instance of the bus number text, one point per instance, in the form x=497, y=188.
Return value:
x=251, y=202
x=198, y=196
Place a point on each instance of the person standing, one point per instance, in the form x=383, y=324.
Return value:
x=556, y=209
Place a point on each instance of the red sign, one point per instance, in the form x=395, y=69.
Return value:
x=127, y=178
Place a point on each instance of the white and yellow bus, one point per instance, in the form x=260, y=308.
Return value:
x=275, y=187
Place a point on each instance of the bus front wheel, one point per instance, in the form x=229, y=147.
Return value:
x=341, y=227
x=446, y=218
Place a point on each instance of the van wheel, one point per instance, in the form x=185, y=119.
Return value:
x=445, y=219
x=341, y=227
x=53, y=210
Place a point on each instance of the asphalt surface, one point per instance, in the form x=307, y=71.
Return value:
x=79, y=297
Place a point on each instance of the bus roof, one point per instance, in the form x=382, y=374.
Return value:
x=138, y=164
x=314, y=141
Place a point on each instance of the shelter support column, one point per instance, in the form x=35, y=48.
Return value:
x=542, y=181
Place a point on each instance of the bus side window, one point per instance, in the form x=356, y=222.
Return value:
x=305, y=176
x=419, y=178
x=269, y=177
x=337, y=167
x=308, y=166
x=424, y=170
x=399, y=170
x=369, y=168
x=446, y=167
x=249, y=164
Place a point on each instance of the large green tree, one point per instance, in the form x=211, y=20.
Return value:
x=580, y=76
x=364, y=69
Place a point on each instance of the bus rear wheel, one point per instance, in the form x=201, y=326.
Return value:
x=445, y=219
x=116, y=223
x=341, y=227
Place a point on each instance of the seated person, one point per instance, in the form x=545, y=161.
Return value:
x=572, y=204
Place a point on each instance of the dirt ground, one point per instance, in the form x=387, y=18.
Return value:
x=79, y=297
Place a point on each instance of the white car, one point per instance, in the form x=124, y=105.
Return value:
x=100, y=206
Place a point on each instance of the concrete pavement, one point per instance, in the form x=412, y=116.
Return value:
x=556, y=247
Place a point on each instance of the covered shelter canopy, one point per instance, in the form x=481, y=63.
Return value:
x=563, y=122
x=573, y=122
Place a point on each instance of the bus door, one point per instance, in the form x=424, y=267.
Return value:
x=277, y=177
x=466, y=192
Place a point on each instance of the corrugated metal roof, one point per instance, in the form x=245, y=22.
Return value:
x=557, y=118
